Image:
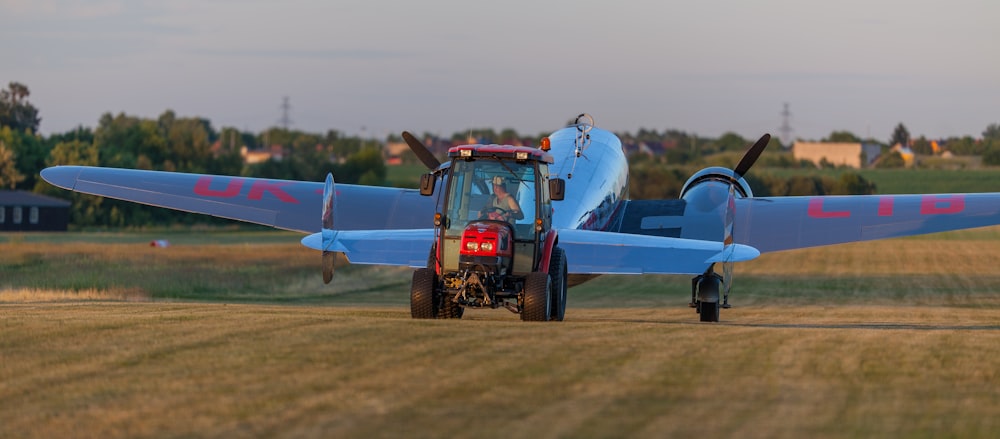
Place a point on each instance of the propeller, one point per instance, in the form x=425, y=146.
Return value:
x=421, y=151
x=751, y=156
x=329, y=205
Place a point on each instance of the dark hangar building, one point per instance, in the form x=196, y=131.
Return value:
x=22, y=211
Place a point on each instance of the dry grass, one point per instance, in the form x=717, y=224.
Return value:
x=897, y=338
x=29, y=295
x=116, y=369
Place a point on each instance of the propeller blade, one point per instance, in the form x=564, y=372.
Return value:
x=328, y=259
x=728, y=246
x=329, y=206
x=752, y=155
x=421, y=151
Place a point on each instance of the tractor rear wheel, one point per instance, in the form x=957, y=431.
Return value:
x=557, y=274
x=537, y=306
x=422, y=304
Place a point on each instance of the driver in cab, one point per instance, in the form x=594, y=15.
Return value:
x=501, y=205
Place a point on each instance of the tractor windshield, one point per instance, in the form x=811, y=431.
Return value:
x=492, y=189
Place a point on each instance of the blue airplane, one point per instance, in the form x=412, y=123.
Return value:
x=514, y=227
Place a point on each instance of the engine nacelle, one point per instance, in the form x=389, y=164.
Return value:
x=719, y=174
x=708, y=189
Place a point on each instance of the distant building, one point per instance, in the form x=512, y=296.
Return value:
x=906, y=153
x=837, y=154
x=275, y=152
x=28, y=212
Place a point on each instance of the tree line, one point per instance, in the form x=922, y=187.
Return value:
x=191, y=144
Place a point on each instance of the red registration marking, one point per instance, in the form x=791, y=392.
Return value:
x=204, y=188
x=941, y=204
x=885, y=205
x=816, y=210
x=261, y=186
x=929, y=205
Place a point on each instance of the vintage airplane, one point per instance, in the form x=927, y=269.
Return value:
x=569, y=221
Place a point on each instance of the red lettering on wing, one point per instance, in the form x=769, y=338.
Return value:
x=885, y=206
x=941, y=204
x=204, y=187
x=261, y=186
x=816, y=210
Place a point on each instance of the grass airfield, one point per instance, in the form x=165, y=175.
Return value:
x=233, y=334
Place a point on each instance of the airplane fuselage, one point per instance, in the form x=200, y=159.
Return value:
x=596, y=181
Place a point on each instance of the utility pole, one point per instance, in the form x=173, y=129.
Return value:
x=786, y=127
x=285, y=121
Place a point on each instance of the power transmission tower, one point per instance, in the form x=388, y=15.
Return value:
x=285, y=121
x=786, y=127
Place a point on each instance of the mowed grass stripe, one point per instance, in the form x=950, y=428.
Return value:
x=119, y=369
x=904, y=342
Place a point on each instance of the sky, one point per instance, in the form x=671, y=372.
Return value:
x=374, y=67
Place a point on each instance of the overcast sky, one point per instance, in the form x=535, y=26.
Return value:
x=444, y=66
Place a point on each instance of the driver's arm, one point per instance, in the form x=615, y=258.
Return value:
x=515, y=209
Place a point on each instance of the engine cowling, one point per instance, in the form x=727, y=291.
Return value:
x=717, y=174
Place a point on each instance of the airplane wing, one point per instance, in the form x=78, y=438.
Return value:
x=772, y=224
x=783, y=223
x=409, y=248
x=283, y=204
x=597, y=252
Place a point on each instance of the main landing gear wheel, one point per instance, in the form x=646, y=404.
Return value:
x=708, y=298
x=537, y=306
x=709, y=311
x=422, y=304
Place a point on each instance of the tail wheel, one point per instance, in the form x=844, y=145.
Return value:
x=557, y=274
x=422, y=304
x=537, y=306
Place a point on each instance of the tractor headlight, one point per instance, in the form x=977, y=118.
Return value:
x=472, y=246
x=486, y=246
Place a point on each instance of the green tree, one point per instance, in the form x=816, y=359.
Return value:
x=367, y=164
x=992, y=157
x=9, y=175
x=803, y=185
x=922, y=146
x=188, y=142
x=965, y=146
x=852, y=183
x=992, y=132
x=122, y=139
x=30, y=151
x=15, y=110
x=732, y=142
x=843, y=137
x=891, y=160
x=900, y=135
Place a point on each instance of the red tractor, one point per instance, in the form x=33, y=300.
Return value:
x=494, y=244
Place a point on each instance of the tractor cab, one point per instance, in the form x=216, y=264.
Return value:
x=494, y=187
x=493, y=228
